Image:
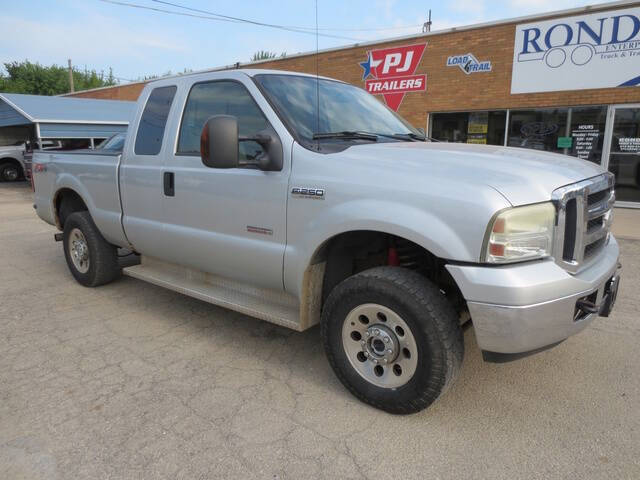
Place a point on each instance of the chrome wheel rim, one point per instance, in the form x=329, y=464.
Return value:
x=79, y=250
x=380, y=345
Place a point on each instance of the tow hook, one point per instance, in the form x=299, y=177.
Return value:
x=58, y=236
x=587, y=306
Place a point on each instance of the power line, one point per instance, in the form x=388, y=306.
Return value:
x=144, y=7
x=377, y=29
x=295, y=27
x=290, y=28
x=224, y=18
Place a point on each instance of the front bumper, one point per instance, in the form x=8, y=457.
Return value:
x=525, y=307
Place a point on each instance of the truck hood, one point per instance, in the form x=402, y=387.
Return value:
x=521, y=175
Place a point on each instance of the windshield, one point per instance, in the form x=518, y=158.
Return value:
x=343, y=108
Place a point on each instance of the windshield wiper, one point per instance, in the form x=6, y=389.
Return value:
x=346, y=135
x=410, y=135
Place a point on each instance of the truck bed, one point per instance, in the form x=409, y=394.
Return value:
x=94, y=175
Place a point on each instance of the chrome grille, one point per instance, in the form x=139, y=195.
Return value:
x=584, y=220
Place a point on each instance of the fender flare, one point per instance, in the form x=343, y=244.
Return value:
x=376, y=216
x=68, y=182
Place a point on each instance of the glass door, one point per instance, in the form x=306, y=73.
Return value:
x=624, y=154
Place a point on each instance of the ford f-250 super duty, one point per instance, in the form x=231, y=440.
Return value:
x=241, y=189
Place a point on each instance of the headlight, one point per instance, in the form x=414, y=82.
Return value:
x=520, y=233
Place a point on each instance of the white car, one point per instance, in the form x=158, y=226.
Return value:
x=12, y=162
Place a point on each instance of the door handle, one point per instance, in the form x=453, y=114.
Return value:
x=169, y=184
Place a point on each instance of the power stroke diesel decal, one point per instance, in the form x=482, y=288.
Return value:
x=393, y=73
x=260, y=230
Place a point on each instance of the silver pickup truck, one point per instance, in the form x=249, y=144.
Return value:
x=302, y=200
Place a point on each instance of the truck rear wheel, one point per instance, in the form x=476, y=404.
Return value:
x=91, y=259
x=392, y=339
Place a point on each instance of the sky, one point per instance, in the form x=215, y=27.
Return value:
x=138, y=42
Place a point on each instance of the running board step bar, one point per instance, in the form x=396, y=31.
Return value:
x=270, y=305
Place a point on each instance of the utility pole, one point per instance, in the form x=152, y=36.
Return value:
x=426, y=27
x=70, y=77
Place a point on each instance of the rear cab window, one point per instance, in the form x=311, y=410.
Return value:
x=154, y=120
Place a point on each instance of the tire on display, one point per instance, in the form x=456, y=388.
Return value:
x=91, y=259
x=9, y=172
x=392, y=339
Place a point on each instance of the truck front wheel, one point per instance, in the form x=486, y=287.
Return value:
x=10, y=172
x=392, y=339
x=91, y=259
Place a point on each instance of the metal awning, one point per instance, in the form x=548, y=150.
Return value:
x=64, y=117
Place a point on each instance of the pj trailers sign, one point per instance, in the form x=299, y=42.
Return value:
x=600, y=50
x=390, y=72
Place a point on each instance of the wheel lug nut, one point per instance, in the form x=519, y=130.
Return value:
x=386, y=339
x=375, y=360
x=362, y=343
x=376, y=332
x=366, y=354
x=389, y=351
x=367, y=334
x=385, y=360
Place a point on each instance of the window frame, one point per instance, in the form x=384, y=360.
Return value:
x=184, y=109
x=135, y=139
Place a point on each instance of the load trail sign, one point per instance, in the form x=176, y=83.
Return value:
x=390, y=72
x=468, y=63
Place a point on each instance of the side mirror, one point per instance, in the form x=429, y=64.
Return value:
x=219, y=145
x=219, y=142
x=271, y=159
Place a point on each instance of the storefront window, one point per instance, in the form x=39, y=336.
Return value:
x=575, y=131
x=624, y=160
x=449, y=127
x=586, y=133
x=469, y=127
x=538, y=129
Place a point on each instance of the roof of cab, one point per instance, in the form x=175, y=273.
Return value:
x=250, y=72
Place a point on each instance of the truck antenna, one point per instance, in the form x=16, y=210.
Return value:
x=317, y=84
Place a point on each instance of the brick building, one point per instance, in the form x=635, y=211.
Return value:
x=563, y=82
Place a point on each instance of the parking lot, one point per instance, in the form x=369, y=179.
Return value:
x=133, y=381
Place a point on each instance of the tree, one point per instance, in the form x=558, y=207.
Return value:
x=36, y=79
x=266, y=55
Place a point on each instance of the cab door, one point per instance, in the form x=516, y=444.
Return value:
x=228, y=222
x=141, y=180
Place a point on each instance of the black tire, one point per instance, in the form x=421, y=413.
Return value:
x=433, y=323
x=10, y=172
x=102, y=256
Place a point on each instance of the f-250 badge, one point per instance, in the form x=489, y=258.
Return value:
x=308, y=192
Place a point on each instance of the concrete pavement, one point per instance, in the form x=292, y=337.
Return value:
x=132, y=381
x=626, y=223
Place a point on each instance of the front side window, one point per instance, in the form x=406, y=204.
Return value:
x=221, y=98
x=343, y=107
x=153, y=120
